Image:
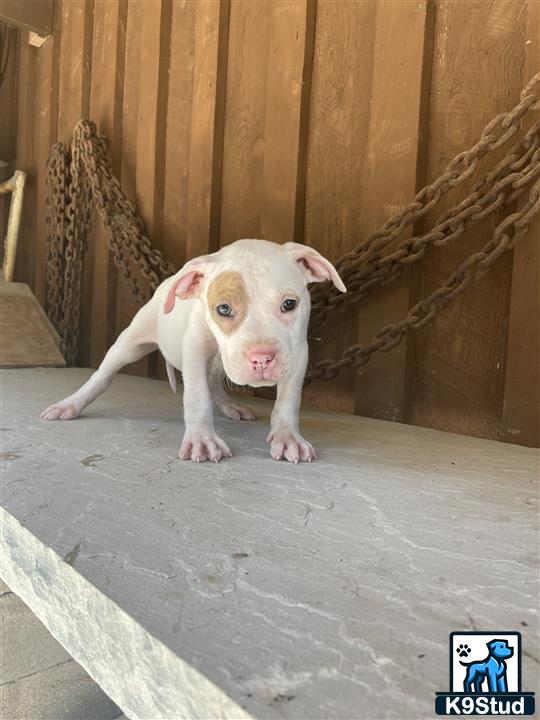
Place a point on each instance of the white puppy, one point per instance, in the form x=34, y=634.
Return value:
x=244, y=310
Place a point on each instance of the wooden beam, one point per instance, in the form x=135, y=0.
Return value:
x=178, y=132
x=389, y=183
x=25, y=260
x=106, y=97
x=521, y=410
x=9, y=89
x=290, y=61
x=46, y=63
x=459, y=359
x=207, y=126
x=243, y=156
x=73, y=104
x=337, y=154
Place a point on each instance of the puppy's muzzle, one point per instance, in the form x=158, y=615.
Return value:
x=263, y=362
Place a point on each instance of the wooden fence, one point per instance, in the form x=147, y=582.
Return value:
x=307, y=120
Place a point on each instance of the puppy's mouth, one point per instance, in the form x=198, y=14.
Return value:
x=262, y=382
x=254, y=379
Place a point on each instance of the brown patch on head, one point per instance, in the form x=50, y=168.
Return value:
x=228, y=288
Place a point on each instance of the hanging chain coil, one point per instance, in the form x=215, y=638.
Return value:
x=81, y=178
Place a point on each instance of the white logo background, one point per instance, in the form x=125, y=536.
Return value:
x=479, y=651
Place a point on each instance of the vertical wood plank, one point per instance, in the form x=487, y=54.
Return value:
x=126, y=306
x=106, y=95
x=75, y=65
x=269, y=75
x=459, y=359
x=74, y=104
x=389, y=182
x=154, y=77
x=207, y=127
x=243, y=156
x=338, y=140
x=289, y=75
x=24, y=264
x=8, y=120
x=151, y=115
x=143, y=146
x=178, y=131
x=521, y=411
x=46, y=63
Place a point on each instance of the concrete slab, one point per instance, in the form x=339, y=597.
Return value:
x=27, y=647
x=63, y=692
x=256, y=587
x=38, y=678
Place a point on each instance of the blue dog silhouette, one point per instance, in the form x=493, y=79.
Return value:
x=493, y=668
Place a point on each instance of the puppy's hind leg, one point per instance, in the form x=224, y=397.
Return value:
x=136, y=341
x=224, y=402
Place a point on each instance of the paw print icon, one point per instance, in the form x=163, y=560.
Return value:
x=463, y=650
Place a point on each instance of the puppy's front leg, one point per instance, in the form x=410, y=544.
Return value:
x=285, y=438
x=200, y=441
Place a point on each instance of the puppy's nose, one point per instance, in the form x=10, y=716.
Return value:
x=261, y=358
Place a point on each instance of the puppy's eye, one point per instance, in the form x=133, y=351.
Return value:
x=288, y=305
x=224, y=309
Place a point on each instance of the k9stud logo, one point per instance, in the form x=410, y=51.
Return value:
x=485, y=676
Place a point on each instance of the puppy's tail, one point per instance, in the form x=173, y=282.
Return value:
x=171, y=374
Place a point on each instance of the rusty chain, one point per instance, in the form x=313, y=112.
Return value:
x=79, y=179
x=82, y=177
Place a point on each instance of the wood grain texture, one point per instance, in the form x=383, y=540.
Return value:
x=46, y=68
x=75, y=71
x=75, y=64
x=28, y=338
x=337, y=156
x=521, y=411
x=268, y=78
x=178, y=131
x=207, y=127
x=9, y=89
x=106, y=96
x=244, y=123
x=306, y=120
x=292, y=27
x=126, y=305
x=459, y=359
x=389, y=183
x=25, y=260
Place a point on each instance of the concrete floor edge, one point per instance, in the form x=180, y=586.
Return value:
x=86, y=622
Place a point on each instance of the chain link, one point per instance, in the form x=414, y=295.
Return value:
x=366, y=267
x=81, y=178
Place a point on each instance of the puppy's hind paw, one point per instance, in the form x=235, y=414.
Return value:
x=237, y=412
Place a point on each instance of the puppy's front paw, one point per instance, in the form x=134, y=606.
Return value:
x=200, y=447
x=291, y=446
x=63, y=410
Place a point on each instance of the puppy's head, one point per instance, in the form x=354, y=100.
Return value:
x=257, y=304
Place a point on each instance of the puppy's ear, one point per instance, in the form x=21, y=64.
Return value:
x=315, y=267
x=187, y=281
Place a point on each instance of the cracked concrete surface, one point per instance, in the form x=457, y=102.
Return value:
x=254, y=587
